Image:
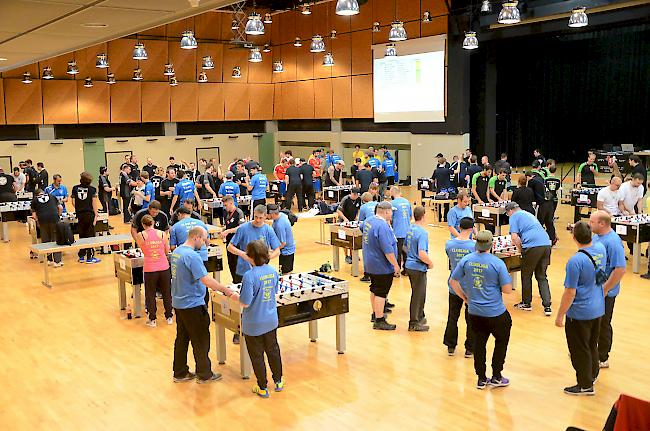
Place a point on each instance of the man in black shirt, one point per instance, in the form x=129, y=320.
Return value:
x=232, y=219
x=173, y=164
x=586, y=171
x=497, y=186
x=46, y=210
x=545, y=209
x=32, y=177
x=356, y=167
x=105, y=191
x=7, y=190
x=135, y=169
x=307, y=171
x=638, y=168
x=380, y=176
x=293, y=178
x=480, y=184
x=150, y=168
x=157, y=180
x=42, y=177
x=364, y=178
x=442, y=176
x=471, y=170
x=160, y=219
x=167, y=190
x=126, y=185
x=348, y=210
x=538, y=156
x=86, y=206
x=205, y=184
x=192, y=173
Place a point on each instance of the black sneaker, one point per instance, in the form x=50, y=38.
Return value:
x=481, y=383
x=235, y=339
x=372, y=318
x=577, y=390
x=646, y=276
x=365, y=279
x=523, y=306
x=451, y=351
x=389, y=305
x=189, y=376
x=468, y=353
x=215, y=377
x=548, y=311
x=387, y=310
x=404, y=272
x=383, y=325
x=418, y=328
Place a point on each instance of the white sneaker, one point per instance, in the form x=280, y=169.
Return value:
x=150, y=323
x=604, y=364
x=57, y=265
x=170, y=320
x=50, y=263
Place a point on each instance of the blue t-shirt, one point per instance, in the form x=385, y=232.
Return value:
x=180, y=231
x=589, y=302
x=483, y=274
x=259, y=184
x=184, y=189
x=615, y=255
x=258, y=289
x=149, y=190
x=456, y=250
x=529, y=229
x=374, y=162
x=247, y=233
x=187, y=271
x=367, y=210
x=378, y=240
x=282, y=228
x=401, y=217
x=229, y=188
x=455, y=214
x=330, y=160
x=389, y=167
x=60, y=193
x=416, y=239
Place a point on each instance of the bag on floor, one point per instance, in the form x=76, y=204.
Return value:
x=114, y=208
x=291, y=216
x=64, y=234
x=325, y=208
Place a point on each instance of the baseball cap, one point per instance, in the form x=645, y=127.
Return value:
x=229, y=174
x=511, y=206
x=484, y=240
x=272, y=209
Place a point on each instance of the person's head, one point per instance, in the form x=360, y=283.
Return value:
x=615, y=183
x=354, y=193
x=395, y=192
x=442, y=161
x=357, y=147
x=484, y=241
x=40, y=166
x=371, y=149
x=472, y=159
x=254, y=169
x=357, y=162
x=582, y=233
x=634, y=160
x=366, y=197
x=147, y=221
x=180, y=174
x=418, y=214
x=468, y=152
x=637, y=180
x=373, y=189
x=485, y=160
x=139, y=182
x=192, y=166
x=502, y=174
x=202, y=162
x=171, y=173
x=529, y=175
x=466, y=224
x=28, y=162
x=228, y=203
x=149, y=161
x=439, y=156
x=284, y=162
x=103, y=170
x=16, y=171
x=600, y=222
x=172, y=160
x=591, y=158
x=189, y=204
x=126, y=168
x=536, y=152
x=183, y=212
x=367, y=166
x=38, y=191
x=455, y=158
x=549, y=163
x=487, y=170
x=240, y=167
x=511, y=208
x=522, y=181
x=384, y=210
x=536, y=164
x=258, y=251
x=209, y=167
x=127, y=158
x=57, y=180
x=144, y=176
x=462, y=199
x=134, y=159
x=292, y=162
x=154, y=208
x=339, y=164
x=330, y=151
x=259, y=215
x=85, y=179
x=229, y=176
x=552, y=169
x=375, y=151
x=273, y=211
x=197, y=237
x=504, y=156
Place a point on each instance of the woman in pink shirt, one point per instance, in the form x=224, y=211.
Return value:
x=155, y=247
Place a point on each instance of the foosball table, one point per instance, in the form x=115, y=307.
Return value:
x=277, y=189
x=336, y=193
x=101, y=227
x=10, y=211
x=506, y=250
x=304, y=297
x=346, y=235
x=425, y=185
x=491, y=213
x=633, y=229
x=211, y=209
x=586, y=197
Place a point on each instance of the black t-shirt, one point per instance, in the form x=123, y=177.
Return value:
x=33, y=180
x=307, y=173
x=586, y=175
x=160, y=222
x=103, y=181
x=553, y=185
x=232, y=220
x=294, y=174
x=379, y=174
x=364, y=177
x=151, y=170
x=350, y=207
x=125, y=187
x=353, y=171
x=482, y=183
x=240, y=178
x=135, y=171
x=42, y=179
x=499, y=186
x=192, y=175
x=536, y=184
x=157, y=180
x=165, y=185
x=6, y=184
x=46, y=208
x=83, y=198
x=442, y=175
x=206, y=180
x=525, y=197
x=336, y=175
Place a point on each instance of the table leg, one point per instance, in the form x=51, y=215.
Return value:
x=5, y=231
x=217, y=276
x=121, y=294
x=636, y=257
x=513, y=275
x=313, y=330
x=340, y=333
x=221, y=342
x=46, y=275
x=137, y=300
x=244, y=359
x=498, y=229
x=335, y=258
x=355, y=263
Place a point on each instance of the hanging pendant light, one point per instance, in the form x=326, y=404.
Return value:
x=328, y=60
x=88, y=82
x=208, y=64
x=255, y=56
x=102, y=61
x=236, y=72
x=173, y=82
x=306, y=10
x=470, y=41
x=426, y=16
x=333, y=34
x=110, y=79
x=509, y=14
x=317, y=44
x=169, y=70
x=267, y=48
x=486, y=6
x=139, y=53
x=391, y=50
x=137, y=75
x=278, y=67
x=397, y=32
x=375, y=27
x=297, y=43
x=234, y=25
x=27, y=78
x=268, y=19
x=72, y=68
x=578, y=18
x=254, y=25
x=347, y=7
x=188, y=41
x=203, y=77
x=47, y=73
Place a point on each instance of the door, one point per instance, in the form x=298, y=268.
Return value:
x=5, y=163
x=93, y=156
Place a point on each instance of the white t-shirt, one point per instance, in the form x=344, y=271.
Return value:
x=630, y=195
x=610, y=200
x=19, y=181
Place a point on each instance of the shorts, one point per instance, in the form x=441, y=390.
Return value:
x=316, y=185
x=283, y=188
x=380, y=284
x=286, y=263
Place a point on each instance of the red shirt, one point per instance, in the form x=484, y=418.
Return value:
x=280, y=171
x=315, y=163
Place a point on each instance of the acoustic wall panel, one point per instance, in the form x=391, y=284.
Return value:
x=126, y=99
x=185, y=102
x=363, y=20
x=23, y=103
x=438, y=25
x=236, y=101
x=305, y=99
x=261, y=101
x=323, y=98
x=342, y=97
x=2, y=103
x=184, y=61
x=153, y=67
x=290, y=100
x=362, y=101
x=342, y=51
x=120, y=57
x=214, y=50
x=361, y=52
x=277, y=101
x=235, y=57
x=59, y=102
x=305, y=63
x=156, y=103
x=94, y=103
x=211, y=102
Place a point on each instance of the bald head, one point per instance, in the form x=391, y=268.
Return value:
x=197, y=232
x=615, y=183
x=395, y=192
x=600, y=222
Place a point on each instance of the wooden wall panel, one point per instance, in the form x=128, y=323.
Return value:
x=23, y=103
x=185, y=102
x=342, y=50
x=126, y=102
x=361, y=52
x=120, y=56
x=305, y=99
x=226, y=20
x=236, y=101
x=153, y=67
x=412, y=29
x=60, y=102
x=216, y=51
x=156, y=102
x=94, y=103
x=363, y=20
x=435, y=7
x=235, y=57
x=87, y=60
x=408, y=10
x=437, y=26
x=287, y=24
x=321, y=71
x=320, y=20
x=277, y=101
x=208, y=25
x=260, y=73
x=304, y=26
x=211, y=102
x=175, y=29
x=381, y=36
x=261, y=101
x=275, y=29
x=184, y=61
x=384, y=11
x=340, y=23
x=323, y=98
x=2, y=103
x=305, y=63
x=289, y=100
x=342, y=97
x=18, y=73
x=362, y=99
x=288, y=55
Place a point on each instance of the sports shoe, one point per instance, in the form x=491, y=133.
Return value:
x=189, y=376
x=423, y=321
x=263, y=393
x=468, y=353
x=82, y=260
x=215, y=377
x=170, y=320
x=524, y=307
x=348, y=260
x=235, y=339
x=50, y=263
x=548, y=311
x=481, y=383
x=383, y=325
x=418, y=328
x=451, y=351
x=404, y=272
x=93, y=260
x=372, y=318
x=577, y=390
x=387, y=310
x=151, y=323
x=603, y=364
x=57, y=264
x=279, y=386
x=389, y=304
x=499, y=382
x=365, y=279
x=646, y=276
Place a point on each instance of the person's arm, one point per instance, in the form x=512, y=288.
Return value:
x=599, y=204
x=171, y=209
x=274, y=253
x=95, y=208
x=424, y=257
x=134, y=233
x=393, y=261
x=234, y=250
x=166, y=241
x=621, y=207
x=516, y=240
x=198, y=199
x=614, y=278
x=215, y=285
x=567, y=299
x=455, y=285
x=506, y=288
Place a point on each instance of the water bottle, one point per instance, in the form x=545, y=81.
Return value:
x=129, y=314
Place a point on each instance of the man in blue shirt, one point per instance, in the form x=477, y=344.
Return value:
x=331, y=158
x=179, y=231
x=601, y=225
x=374, y=162
x=366, y=210
x=486, y=278
x=535, y=246
x=583, y=302
x=282, y=228
x=380, y=261
x=416, y=266
x=402, y=214
x=58, y=190
x=257, y=186
x=149, y=190
x=456, y=249
x=189, y=278
x=251, y=231
x=184, y=189
x=388, y=165
x=229, y=188
x=459, y=211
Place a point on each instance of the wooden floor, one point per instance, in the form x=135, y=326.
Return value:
x=69, y=362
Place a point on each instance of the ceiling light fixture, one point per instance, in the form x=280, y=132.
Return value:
x=234, y=25
x=254, y=25
x=278, y=67
x=391, y=50
x=88, y=82
x=110, y=79
x=208, y=64
x=297, y=43
x=137, y=75
x=72, y=68
x=347, y=7
x=306, y=10
x=268, y=19
x=470, y=41
x=102, y=61
x=27, y=78
x=397, y=32
x=255, y=56
x=509, y=14
x=173, y=82
x=328, y=60
x=3, y=59
x=139, y=53
x=317, y=44
x=188, y=41
x=47, y=73
x=578, y=18
x=486, y=6
x=426, y=16
x=169, y=70
x=236, y=72
x=375, y=27
x=203, y=77
x=267, y=48
x=333, y=34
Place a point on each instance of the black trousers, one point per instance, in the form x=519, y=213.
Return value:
x=535, y=260
x=401, y=254
x=606, y=332
x=450, y=339
x=294, y=190
x=582, y=340
x=162, y=281
x=257, y=202
x=286, y=263
x=257, y=346
x=126, y=211
x=48, y=234
x=192, y=326
x=308, y=195
x=499, y=328
x=418, y=281
x=545, y=215
x=86, y=229
x=232, y=265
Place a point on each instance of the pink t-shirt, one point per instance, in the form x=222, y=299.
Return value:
x=153, y=248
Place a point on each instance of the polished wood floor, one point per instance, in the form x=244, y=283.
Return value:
x=69, y=362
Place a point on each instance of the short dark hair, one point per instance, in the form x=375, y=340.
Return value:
x=487, y=167
x=418, y=213
x=183, y=210
x=357, y=160
x=227, y=198
x=16, y=169
x=472, y=159
x=86, y=179
x=502, y=171
x=40, y=165
x=634, y=158
x=637, y=176
x=535, y=164
x=503, y=155
x=28, y=161
x=552, y=169
x=154, y=205
x=144, y=175
x=102, y=170
x=522, y=181
x=582, y=232
x=258, y=251
x=180, y=173
x=466, y=223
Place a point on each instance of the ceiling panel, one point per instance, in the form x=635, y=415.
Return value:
x=18, y=16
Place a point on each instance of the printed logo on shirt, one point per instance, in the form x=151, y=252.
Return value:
x=3, y=181
x=82, y=193
x=156, y=183
x=43, y=198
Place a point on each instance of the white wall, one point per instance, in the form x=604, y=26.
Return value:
x=425, y=147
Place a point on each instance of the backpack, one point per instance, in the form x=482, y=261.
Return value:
x=601, y=275
x=114, y=208
x=291, y=216
x=64, y=234
x=325, y=208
